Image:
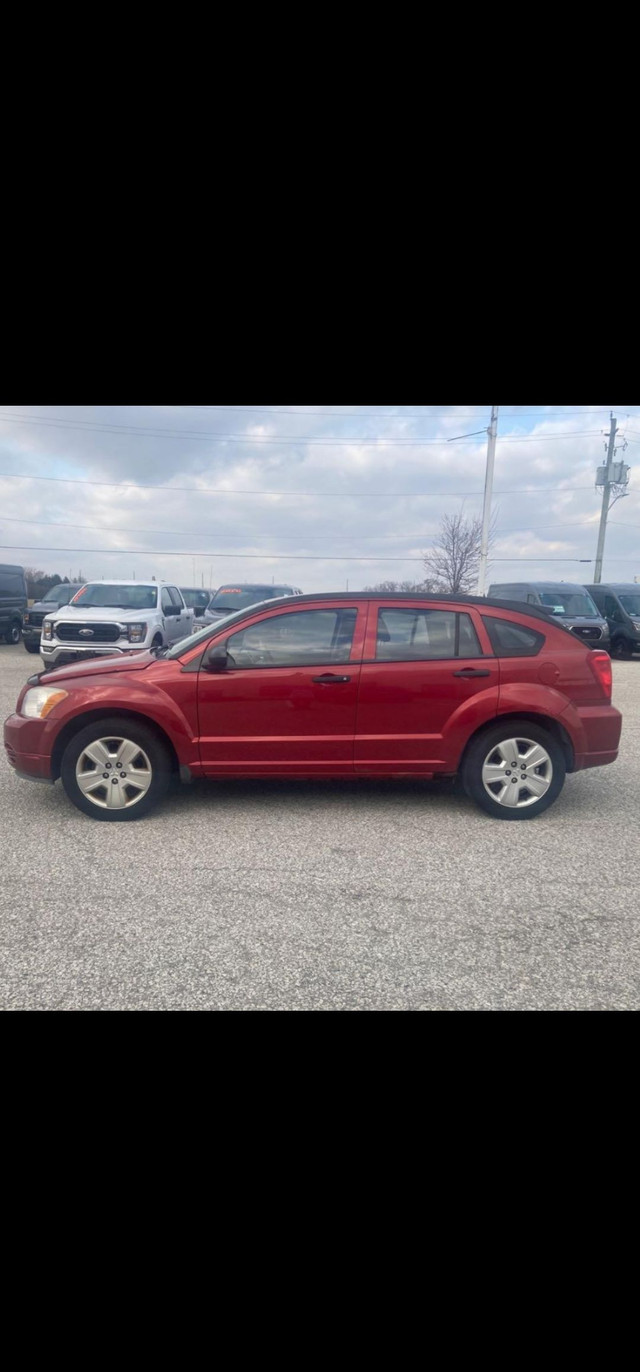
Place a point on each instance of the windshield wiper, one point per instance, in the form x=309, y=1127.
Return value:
x=158, y=651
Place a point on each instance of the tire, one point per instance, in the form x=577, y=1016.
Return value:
x=157, y=642
x=138, y=784
x=493, y=750
x=31, y=647
x=14, y=632
x=622, y=649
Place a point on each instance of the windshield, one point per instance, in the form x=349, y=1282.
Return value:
x=232, y=598
x=573, y=604
x=105, y=596
x=60, y=594
x=209, y=631
x=631, y=603
x=196, y=600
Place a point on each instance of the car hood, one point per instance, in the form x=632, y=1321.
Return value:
x=134, y=661
x=100, y=615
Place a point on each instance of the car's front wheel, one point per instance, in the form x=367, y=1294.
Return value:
x=514, y=770
x=31, y=647
x=116, y=770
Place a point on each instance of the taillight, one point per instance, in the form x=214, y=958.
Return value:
x=600, y=664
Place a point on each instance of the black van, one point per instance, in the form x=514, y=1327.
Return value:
x=13, y=601
x=570, y=604
x=620, y=603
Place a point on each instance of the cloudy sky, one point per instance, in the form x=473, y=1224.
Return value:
x=314, y=495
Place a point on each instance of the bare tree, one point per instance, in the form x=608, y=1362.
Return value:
x=454, y=560
x=410, y=587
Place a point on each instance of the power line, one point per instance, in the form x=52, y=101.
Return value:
x=306, y=495
x=237, y=533
x=246, y=557
x=138, y=431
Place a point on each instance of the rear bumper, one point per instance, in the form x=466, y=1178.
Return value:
x=595, y=732
x=22, y=742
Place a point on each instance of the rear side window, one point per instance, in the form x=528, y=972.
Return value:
x=176, y=597
x=406, y=635
x=11, y=584
x=512, y=640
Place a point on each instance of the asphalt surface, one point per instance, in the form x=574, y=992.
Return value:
x=323, y=896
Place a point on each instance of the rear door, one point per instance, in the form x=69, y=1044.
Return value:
x=287, y=701
x=429, y=678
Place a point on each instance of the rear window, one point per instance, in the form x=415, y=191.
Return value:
x=411, y=634
x=512, y=640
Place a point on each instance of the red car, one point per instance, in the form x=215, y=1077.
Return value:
x=328, y=686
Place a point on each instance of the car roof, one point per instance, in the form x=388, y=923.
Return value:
x=111, y=581
x=543, y=585
x=405, y=597
x=615, y=586
x=250, y=585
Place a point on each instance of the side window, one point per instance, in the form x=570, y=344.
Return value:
x=306, y=638
x=612, y=609
x=406, y=635
x=11, y=584
x=531, y=600
x=176, y=598
x=512, y=640
x=166, y=601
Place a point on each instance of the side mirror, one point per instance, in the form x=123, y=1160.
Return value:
x=216, y=659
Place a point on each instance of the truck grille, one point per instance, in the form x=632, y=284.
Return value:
x=101, y=633
x=585, y=631
x=35, y=619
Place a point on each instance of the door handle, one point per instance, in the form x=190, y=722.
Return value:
x=330, y=680
x=472, y=671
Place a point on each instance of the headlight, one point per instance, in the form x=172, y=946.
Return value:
x=137, y=632
x=40, y=701
x=637, y=628
x=25, y=618
x=47, y=630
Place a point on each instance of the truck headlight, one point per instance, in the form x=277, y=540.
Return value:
x=136, y=633
x=47, y=630
x=40, y=701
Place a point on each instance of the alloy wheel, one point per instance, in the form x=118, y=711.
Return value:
x=517, y=772
x=113, y=773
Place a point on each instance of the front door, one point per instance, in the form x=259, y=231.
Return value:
x=429, y=678
x=287, y=701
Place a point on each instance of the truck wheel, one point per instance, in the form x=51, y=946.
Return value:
x=116, y=769
x=31, y=647
x=514, y=770
x=14, y=632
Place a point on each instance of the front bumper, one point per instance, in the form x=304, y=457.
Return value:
x=26, y=748
x=59, y=654
x=30, y=634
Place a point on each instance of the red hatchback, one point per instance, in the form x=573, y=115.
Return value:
x=329, y=685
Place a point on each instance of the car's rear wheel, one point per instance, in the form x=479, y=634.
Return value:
x=31, y=647
x=14, y=632
x=116, y=770
x=514, y=770
x=622, y=648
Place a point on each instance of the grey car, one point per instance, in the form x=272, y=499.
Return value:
x=236, y=595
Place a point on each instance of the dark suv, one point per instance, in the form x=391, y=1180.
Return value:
x=32, y=619
x=329, y=686
x=13, y=601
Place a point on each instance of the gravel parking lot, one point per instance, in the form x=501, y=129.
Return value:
x=322, y=896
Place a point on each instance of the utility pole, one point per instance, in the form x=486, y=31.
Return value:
x=606, y=496
x=488, y=493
